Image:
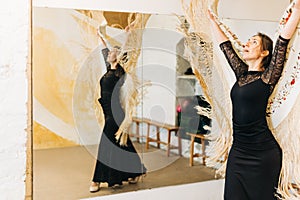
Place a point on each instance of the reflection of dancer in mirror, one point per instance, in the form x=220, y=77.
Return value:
x=255, y=159
x=115, y=163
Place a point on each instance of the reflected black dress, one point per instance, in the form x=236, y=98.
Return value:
x=115, y=163
x=254, y=161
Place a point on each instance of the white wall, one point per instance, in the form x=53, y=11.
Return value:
x=157, y=64
x=14, y=34
x=143, y=6
x=266, y=10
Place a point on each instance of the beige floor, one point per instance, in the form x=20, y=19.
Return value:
x=65, y=173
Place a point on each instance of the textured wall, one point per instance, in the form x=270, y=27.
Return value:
x=14, y=34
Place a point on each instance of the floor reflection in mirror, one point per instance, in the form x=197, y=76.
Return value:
x=64, y=173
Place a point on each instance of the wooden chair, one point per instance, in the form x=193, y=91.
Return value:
x=192, y=154
x=170, y=129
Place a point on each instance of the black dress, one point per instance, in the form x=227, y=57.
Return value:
x=115, y=163
x=254, y=161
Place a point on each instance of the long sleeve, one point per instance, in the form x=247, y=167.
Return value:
x=273, y=72
x=236, y=63
x=105, y=55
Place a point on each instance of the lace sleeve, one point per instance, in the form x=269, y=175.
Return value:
x=272, y=73
x=236, y=63
x=105, y=54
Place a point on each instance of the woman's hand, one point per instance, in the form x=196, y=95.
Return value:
x=215, y=27
x=210, y=15
x=99, y=34
x=130, y=26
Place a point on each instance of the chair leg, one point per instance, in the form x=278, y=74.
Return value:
x=179, y=144
x=203, y=151
x=169, y=143
x=138, y=131
x=192, y=151
x=158, y=137
x=147, y=139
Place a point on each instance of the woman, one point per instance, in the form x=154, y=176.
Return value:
x=254, y=161
x=115, y=163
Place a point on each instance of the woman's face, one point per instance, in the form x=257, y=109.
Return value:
x=112, y=55
x=253, y=49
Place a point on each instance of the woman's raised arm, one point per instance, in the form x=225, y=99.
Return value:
x=100, y=36
x=292, y=22
x=215, y=28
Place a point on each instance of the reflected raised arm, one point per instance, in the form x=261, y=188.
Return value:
x=100, y=36
x=128, y=30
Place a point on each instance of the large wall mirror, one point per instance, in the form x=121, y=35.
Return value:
x=68, y=120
